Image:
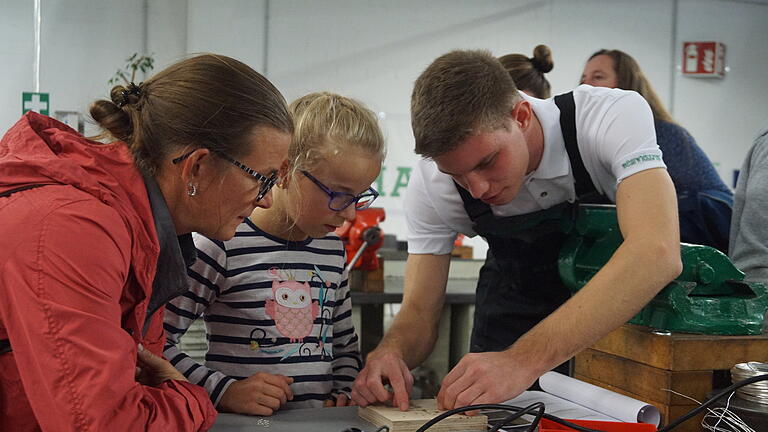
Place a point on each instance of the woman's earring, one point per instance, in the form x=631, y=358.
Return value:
x=191, y=189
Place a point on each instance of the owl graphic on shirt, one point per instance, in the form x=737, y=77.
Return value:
x=292, y=309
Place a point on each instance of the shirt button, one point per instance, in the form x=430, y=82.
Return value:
x=544, y=194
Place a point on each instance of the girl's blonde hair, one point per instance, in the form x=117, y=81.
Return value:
x=327, y=123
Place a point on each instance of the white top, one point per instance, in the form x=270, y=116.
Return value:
x=616, y=137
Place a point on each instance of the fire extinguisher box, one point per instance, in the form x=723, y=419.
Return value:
x=704, y=59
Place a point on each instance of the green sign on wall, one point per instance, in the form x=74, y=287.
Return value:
x=37, y=102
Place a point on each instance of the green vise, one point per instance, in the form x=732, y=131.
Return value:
x=709, y=297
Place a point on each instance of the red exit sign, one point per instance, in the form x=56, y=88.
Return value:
x=704, y=59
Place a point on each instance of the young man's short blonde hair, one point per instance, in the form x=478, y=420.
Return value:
x=461, y=93
x=326, y=123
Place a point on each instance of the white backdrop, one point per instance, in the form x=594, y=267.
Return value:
x=373, y=51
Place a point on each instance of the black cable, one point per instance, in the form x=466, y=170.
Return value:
x=511, y=408
x=518, y=412
x=354, y=429
x=460, y=410
x=694, y=412
x=539, y=406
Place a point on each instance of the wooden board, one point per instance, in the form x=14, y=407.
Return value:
x=650, y=382
x=682, y=351
x=421, y=411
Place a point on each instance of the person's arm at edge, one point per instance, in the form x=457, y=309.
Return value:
x=749, y=240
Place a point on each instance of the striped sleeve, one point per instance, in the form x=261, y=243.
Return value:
x=207, y=278
x=346, y=351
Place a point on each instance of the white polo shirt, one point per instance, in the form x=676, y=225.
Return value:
x=616, y=137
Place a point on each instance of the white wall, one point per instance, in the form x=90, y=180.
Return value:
x=16, y=54
x=83, y=43
x=232, y=27
x=167, y=31
x=373, y=51
x=377, y=60
x=725, y=115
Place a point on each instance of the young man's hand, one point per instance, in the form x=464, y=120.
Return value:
x=380, y=369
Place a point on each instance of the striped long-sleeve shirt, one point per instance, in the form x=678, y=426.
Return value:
x=271, y=306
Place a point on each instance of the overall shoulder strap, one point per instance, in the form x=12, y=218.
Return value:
x=584, y=185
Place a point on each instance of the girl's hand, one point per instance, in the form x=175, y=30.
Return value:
x=259, y=394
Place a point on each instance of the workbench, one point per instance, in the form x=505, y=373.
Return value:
x=640, y=363
x=298, y=420
x=339, y=419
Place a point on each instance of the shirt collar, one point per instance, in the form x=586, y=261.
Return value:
x=554, y=159
x=176, y=253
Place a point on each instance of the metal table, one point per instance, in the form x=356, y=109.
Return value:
x=297, y=420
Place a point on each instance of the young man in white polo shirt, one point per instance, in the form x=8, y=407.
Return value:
x=505, y=166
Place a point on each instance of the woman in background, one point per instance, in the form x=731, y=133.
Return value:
x=96, y=239
x=704, y=201
x=528, y=72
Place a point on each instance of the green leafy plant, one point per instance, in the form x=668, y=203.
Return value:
x=144, y=63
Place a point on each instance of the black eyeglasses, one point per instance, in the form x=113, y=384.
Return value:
x=266, y=182
x=338, y=201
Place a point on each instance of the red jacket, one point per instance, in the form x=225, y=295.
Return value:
x=77, y=261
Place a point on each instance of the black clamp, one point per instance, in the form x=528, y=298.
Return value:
x=132, y=89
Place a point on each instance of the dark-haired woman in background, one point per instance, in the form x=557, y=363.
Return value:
x=528, y=72
x=96, y=239
x=704, y=201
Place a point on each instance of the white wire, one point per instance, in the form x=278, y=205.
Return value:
x=729, y=417
x=722, y=414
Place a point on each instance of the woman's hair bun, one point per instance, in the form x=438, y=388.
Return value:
x=542, y=59
x=111, y=117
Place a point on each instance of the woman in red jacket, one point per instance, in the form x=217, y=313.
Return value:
x=95, y=240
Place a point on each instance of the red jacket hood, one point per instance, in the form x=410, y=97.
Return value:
x=41, y=150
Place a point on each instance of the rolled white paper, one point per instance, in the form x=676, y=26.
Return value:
x=599, y=399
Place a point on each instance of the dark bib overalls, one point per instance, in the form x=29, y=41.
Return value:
x=519, y=284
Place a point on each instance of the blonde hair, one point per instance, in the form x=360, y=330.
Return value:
x=325, y=123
